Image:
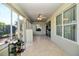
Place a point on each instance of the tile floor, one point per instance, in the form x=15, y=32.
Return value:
x=42, y=46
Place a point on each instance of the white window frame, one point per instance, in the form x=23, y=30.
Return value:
x=67, y=23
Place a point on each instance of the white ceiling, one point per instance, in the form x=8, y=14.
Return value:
x=33, y=9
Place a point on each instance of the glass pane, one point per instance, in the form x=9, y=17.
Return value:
x=5, y=21
x=59, y=20
x=20, y=20
x=73, y=27
x=14, y=23
x=70, y=32
x=59, y=30
x=67, y=32
x=74, y=13
x=69, y=15
x=21, y=17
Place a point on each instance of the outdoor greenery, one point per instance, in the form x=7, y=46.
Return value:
x=5, y=29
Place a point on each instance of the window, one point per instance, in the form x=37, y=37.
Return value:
x=20, y=21
x=70, y=23
x=59, y=30
x=70, y=15
x=68, y=27
x=5, y=21
x=59, y=25
x=59, y=20
x=14, y=22
x=70, y=32
x=7, y=17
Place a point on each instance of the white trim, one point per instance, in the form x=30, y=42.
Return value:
x=18, y=27
x=58, y=25
x=77, y=23
x=68, y=40
x=62, y=26
x=11, y=33
x=69, y=24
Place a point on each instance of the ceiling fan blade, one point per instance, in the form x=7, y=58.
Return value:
x=43, y=17
x=39, y=15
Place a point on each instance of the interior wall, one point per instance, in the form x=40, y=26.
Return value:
x=28, y=25
x=43, y=30
x=70, y=47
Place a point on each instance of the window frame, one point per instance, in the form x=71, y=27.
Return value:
x=59, y=25
x=66, y=24
x=72, y=23
x=11, y=17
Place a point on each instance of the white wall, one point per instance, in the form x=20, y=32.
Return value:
x=70, y=47
x=43, y=30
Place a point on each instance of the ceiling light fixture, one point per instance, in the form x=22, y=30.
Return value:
x=40, y=17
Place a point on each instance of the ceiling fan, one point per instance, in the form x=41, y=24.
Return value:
x=40, y=17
